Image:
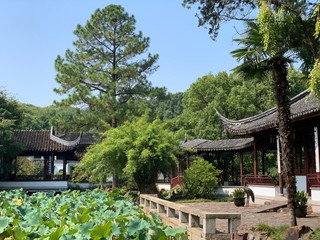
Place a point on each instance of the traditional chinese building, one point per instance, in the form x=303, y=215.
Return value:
x=221, y=154
x=305, y=116
x=54, y=155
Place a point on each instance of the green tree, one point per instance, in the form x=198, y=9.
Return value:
x=167, y=107
x=231, y=95
x=9, y=108
x=200, y=179
x=137, y=151
x=199, y=103
x=153, y=151
x=234, y=95
x=159, y=104
x=10, y=117
x=108, y=67
x=215, y=12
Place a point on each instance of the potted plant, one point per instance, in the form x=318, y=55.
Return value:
x=238, y=197
x=301, y=204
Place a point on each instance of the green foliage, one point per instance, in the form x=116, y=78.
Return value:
x=153, y=151
x=109, y=66
x=315, y=14
x=215, y=12
x=78, y=215
x=238, y=193
x=314, y=77
x=265, y=228
x=103, y=159
x=280, y=233
x=276, y=233
x=9, y=109
x=10, y=118
x=169, y=107
x=231, y=95
x=301, y=198
x=316, y=234
x=234, y=96
x=28, y=167
x=75, y=119
x=200, y=179
x=138, y=150
x=298, y=81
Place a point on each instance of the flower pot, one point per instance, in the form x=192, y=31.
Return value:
x=239, y=202
x=301, y=211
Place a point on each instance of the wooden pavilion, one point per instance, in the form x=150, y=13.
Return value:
x=221, y=154
x=305, y=115
x=48, y=150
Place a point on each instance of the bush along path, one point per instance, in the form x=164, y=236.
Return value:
x=78, y=215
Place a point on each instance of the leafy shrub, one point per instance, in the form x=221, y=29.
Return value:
x=301, y=198
x=274, y=233
x=200, y=179
x=238, y=193
x=316, y=234
x=78, y=215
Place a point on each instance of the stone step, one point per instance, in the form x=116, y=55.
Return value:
x=271, y=207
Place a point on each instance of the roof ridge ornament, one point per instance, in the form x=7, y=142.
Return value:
x=63, y=141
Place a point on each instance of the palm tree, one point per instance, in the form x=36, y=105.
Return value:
x=284, y=31
x=269, y=46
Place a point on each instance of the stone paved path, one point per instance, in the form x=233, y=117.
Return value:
x=248, y=215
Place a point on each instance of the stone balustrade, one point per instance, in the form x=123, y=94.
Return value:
x=191, y=218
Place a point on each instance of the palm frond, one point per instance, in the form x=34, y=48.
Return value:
x=250, y=69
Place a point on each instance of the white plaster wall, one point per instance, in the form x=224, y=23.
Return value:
x=226, y=190
x=315, y=194
x=34, y=185
x=165, y=186
x=301, y=183
x=268, y=191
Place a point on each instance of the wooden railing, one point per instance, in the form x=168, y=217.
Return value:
x=176, y=181
x=313, y=180
x=259, y=180
x=303, y=171
x=191, y=218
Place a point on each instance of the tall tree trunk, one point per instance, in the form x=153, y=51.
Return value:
x=281, y=88
x=115, y=175
x=115, y=182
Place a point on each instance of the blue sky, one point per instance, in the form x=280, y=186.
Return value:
x=34, y=32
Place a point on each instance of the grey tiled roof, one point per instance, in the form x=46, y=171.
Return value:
x=301, y=106
x=218, y=145
x=38, y=141
x=41, y=141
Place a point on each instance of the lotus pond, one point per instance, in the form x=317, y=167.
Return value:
x=78, y=215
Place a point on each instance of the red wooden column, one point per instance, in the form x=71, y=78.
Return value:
x=263, y=157
x=255, y=160
x=46, y=167
x=241, y=168
x=64, y=168
x=52, y=167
